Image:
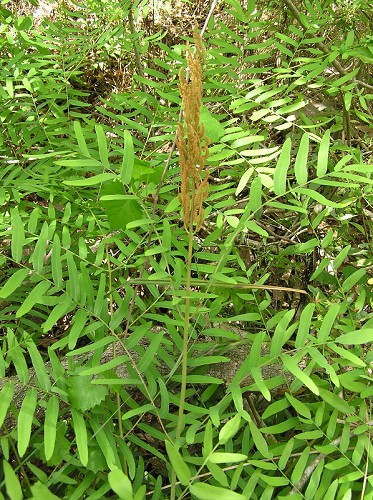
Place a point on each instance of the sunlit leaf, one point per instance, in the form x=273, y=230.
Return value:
x=335, y=401
x=274, y=481
x=207, y=439
x=83, y=395
x=253, y=226
x=283, y=163
x=80, y=435
x=344, y=353
x=256, y=373
x=204, y=491
x=229, y=429
x=14, y=282
x=304, y=325
x=226, y=458
x=165, y=399
x=79, y=164
x=12, y=484
x=120, y=484
x=292, y=366
x=340, y=258
x=38, y=365
x=40, y=490
x=81, y=139
x=353, y=279
x=150, y=352
x=323, y=363
x=323, y=155
x=282, y=333
x=213, y=128
x=38, y=256
x=300, y=166
x=18, y=235
x=218, y=474
x=285, y=455
x=328, y=322
x=302, y=462
x=137, y=411
x=102, y=145
x=363, y=336
x=300, y=407
x=25, y=417
x=259, y=440
x=6, y=395
x=50, y=426
x=244, y=180
x=35, y=296
x=91, y=347
x=59, y=310
x=319, y=197
x=79, y=321
x=120, y=210
x=91, y=181
x=281, y=428
x=179, y=466
x=128, y=159
x=16, y=355
x=255, y=196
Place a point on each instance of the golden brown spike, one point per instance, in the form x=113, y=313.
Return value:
x=192, y=142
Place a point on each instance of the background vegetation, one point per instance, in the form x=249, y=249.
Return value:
x=105, y=296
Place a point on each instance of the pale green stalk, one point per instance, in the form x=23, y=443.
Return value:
x=184, y=360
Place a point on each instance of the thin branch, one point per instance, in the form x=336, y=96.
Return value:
x=207, y=20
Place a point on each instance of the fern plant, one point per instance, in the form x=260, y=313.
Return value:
x=247, y=376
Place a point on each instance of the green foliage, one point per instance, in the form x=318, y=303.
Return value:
x=93, y=292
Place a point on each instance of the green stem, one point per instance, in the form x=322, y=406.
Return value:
x=184, y=362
